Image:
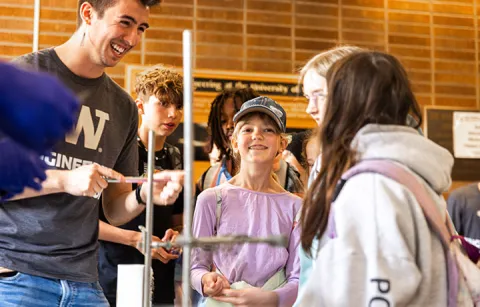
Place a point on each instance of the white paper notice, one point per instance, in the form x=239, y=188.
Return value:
x=466, y=135
x=129, y=285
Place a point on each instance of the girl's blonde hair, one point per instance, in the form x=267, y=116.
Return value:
x=322, y=61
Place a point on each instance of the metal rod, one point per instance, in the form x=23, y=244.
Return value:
x=147, y=293
x=36, y=25
x=209, y=242
x=134, y=180
x=187, y=162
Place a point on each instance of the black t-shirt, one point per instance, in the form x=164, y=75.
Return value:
x=56, y=235
x=113, y=254
x=464, y=209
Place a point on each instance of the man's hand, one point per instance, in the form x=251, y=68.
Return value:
x=213, y=284
x=88, y=180
x=166, y=187
x=248, y=297
x=162, y=255
x=171, y=235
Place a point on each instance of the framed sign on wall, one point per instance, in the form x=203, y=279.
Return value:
x=452, y=129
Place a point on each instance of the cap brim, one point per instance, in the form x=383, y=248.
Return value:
x=261, y=109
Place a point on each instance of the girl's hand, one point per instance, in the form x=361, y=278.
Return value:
x=213, y=284
x=248, y=297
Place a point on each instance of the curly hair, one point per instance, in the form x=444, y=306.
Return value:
x=163, y=82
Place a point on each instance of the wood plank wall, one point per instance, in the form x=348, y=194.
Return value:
x=436, y=40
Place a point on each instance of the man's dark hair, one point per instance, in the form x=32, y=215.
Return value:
x=100, y=6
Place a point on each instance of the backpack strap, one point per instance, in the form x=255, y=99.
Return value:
x=201, y=181
x=282, y=174
x=401, y=175
x=223, y=171
x=207, y=177
x=218, y=210
x=175, y=156
x=212, y=176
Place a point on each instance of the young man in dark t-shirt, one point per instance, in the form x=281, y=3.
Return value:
x=160, y=102
x=49, y=238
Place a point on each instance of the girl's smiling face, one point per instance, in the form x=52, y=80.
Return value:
x=257, y=139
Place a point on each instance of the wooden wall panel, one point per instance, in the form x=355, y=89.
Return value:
x=409, y=38
x=316, y=28
x=262, y=27
x=454, y=30
x=16, y=27
x=436, y=40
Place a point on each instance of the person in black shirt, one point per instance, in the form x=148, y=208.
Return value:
x=160, y=102
x=464, y=209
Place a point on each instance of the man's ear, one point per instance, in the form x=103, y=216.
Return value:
x=86, y=12
x=139, y=103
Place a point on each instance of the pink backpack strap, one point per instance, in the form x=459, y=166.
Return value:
x=399, y=174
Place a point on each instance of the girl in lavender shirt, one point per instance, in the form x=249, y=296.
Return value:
x=252, y=203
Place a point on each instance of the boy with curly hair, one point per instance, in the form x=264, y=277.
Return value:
x=160, y=102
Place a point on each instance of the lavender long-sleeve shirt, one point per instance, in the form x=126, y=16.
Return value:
x=255, y=214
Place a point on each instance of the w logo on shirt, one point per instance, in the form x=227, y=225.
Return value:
x=85, y=124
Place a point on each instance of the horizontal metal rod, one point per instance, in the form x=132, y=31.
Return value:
x=134, y=180
x=210, y=242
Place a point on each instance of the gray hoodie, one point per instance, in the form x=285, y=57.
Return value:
x=385, y=253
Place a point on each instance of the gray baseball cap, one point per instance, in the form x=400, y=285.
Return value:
x=264, y=105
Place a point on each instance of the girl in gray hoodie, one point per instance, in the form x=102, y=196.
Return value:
x=384, y=252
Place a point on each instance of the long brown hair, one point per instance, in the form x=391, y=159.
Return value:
x=363, y=88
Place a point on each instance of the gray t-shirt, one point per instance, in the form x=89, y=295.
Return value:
x=464, y=209
x=56, y=235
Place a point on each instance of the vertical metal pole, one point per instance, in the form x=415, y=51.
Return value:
x=36, y=25
x=147, y=243
x=187, y=162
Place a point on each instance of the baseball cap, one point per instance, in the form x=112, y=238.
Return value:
x=264, y=105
